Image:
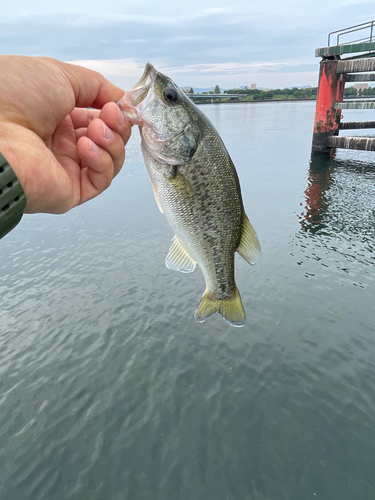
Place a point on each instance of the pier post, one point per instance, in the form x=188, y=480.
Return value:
x=327, y=119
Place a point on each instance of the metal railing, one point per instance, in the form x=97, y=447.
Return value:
x=370, y=25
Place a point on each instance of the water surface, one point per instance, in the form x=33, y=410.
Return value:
x=110, y=390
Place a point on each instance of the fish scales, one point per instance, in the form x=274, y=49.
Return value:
x=196, y=187
x=206, y=224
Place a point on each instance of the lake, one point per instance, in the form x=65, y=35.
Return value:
x=109, y=389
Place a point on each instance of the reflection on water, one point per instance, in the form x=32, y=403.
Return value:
x=340, y=197
x=339, y=213
x=319, y=181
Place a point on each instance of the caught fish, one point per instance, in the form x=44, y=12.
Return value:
x=196, y=187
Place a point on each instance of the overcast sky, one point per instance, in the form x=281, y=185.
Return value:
x=198, y=43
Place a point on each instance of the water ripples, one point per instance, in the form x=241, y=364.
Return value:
x=110, y=390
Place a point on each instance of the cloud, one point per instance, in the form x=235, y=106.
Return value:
x=185, y=39
x=234, y=67
x=126, y=72
x=199, y=40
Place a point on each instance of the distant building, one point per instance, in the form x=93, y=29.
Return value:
x=253, y=86
x=361, y=86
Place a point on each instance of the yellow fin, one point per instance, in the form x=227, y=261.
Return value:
x=178, y=259
x=231, y=308
x=156, y=196
x=249, y=247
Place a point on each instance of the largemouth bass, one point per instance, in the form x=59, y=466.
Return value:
x=196, y=187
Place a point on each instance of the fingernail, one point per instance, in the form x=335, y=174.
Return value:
x=108, y=134
x=94, y=147
x=121, y=117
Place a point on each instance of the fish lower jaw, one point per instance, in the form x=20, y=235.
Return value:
x=133, y=116
x=130, y=111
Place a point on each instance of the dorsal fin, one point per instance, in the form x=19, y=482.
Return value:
x=249, y=247
x=178, y=259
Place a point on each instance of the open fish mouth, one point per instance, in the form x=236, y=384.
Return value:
x=137, y=99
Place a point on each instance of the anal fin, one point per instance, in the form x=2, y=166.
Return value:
x=178, y=259
x=249, y=247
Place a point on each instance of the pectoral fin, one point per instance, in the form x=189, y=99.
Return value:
x=178, y=259
x=249, y=247
x=181, y=185
x=156, y=196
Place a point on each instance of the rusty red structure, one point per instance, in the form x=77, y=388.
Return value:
x=334, y=73
x=327, y=117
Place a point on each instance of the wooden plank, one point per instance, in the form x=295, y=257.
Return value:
x=355, y=105
x=360, y=143
x=355, y=65
x=344, y=49
x=356, y=125
x=361, y=77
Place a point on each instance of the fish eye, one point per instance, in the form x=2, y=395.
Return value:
x=170, y=94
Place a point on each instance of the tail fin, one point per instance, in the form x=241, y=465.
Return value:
x=231, y=308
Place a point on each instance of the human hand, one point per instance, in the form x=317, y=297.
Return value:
x=62, y=153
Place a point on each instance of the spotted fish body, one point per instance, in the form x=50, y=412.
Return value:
x=196, y=187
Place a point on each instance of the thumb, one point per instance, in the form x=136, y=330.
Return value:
x=90, y=87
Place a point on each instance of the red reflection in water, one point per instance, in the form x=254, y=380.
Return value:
x=319, y=181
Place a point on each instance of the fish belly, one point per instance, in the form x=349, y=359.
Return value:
x=201, y=222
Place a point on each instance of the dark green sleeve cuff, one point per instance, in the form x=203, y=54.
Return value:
x=12, y=198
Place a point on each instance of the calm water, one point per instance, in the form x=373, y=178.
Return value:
x=109, y=389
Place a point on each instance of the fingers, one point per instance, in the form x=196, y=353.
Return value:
x=81, y=117
x=97, y=169
x=90, y=87
x=81, y=132
x=111, y=132
x=107, y=140
x=115, y=120
x=110, y=114
x=100, y=148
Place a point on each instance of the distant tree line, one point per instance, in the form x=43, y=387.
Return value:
x=352, y=91
x=294, y=92
x=257, y=94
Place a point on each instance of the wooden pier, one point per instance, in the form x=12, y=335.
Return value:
x=334, y=73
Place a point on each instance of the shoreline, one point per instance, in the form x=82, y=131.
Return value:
x=257, y=100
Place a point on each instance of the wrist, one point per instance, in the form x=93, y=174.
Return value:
x=12, y=198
